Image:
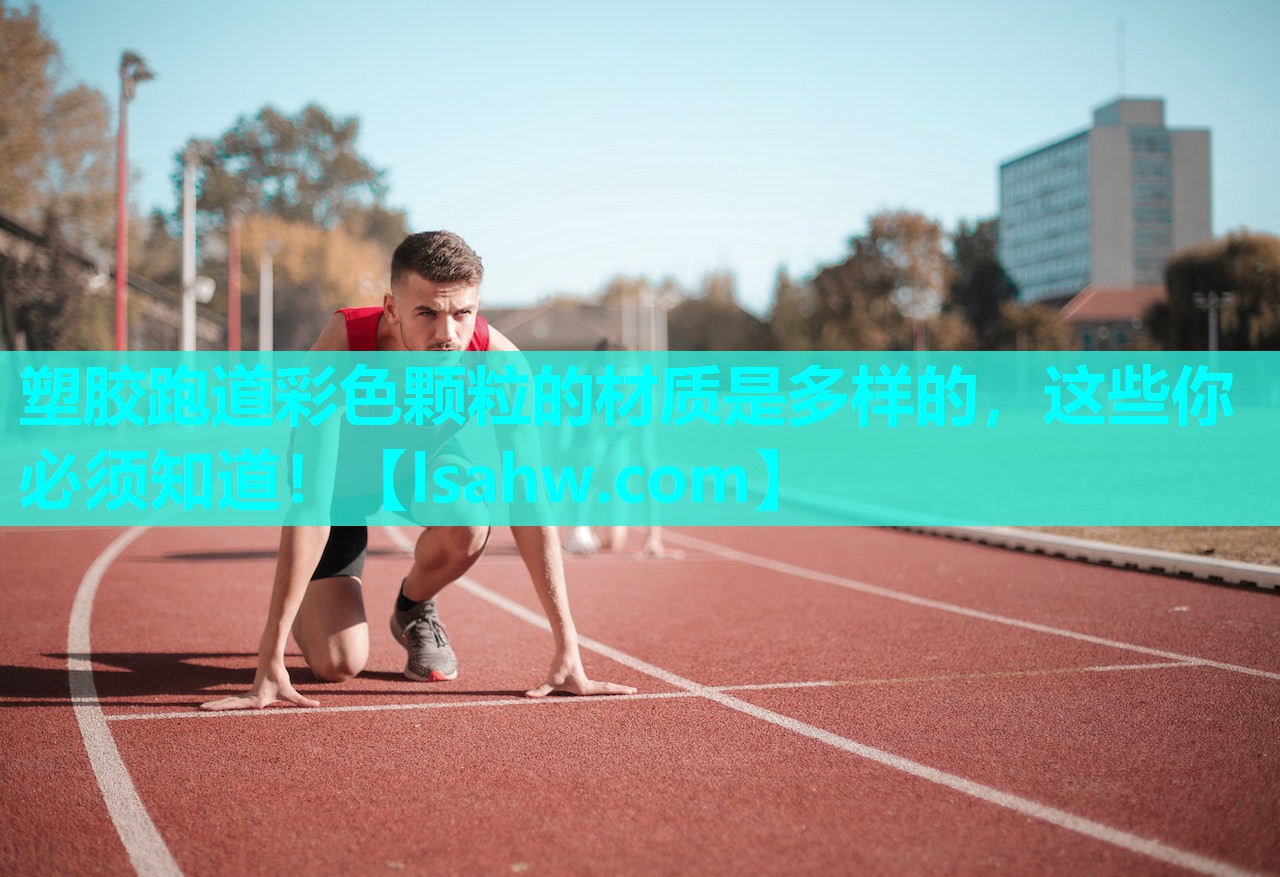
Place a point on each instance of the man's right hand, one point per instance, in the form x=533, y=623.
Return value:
x=270, y=685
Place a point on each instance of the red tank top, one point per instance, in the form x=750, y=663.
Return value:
x=362, y=329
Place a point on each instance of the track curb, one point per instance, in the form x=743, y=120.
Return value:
x=1186, y=566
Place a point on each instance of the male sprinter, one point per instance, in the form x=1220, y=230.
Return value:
x=435, y=288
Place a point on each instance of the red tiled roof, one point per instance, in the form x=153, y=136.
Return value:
x=1111, y=304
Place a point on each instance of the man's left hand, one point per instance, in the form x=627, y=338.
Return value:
x=571, y=678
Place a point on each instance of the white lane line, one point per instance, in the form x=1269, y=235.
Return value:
x=142, y=842
x=598, y=559
x=384, y=707
x=903, y=597
x=953, y=677
x=1052, y=815
x=664, y=695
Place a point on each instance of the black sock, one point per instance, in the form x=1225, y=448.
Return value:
x=403, y=603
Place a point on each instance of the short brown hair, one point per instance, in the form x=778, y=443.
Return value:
x=438, y=256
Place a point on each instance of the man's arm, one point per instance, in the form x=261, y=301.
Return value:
x=300, y=551
x=540, y=549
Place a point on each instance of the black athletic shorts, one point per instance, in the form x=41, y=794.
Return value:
x=345, y=550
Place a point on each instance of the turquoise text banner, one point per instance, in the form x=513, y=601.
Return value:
x=682, y=438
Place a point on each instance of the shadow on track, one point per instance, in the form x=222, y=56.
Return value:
x=122, y=678
x=253, y=554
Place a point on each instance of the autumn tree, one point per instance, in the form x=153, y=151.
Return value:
x=57, y=153
x=321, y=270
x=1244, y=263
x=56, y=161
x=1032, y=327
x=26, y=54
x=302, y=168
x=302, y=186
x=853, y=301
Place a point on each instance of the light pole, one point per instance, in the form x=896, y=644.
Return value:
x=1212, y=302
x=194, y=289
x=266, y=297
x=233, y=279
x=132, y=71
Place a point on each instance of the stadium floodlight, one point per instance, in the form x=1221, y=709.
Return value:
x=204, y=288
x=132, y=71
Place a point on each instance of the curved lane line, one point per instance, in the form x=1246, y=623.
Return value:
x=146, y=849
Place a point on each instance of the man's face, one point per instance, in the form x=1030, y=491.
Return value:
x=431, y=315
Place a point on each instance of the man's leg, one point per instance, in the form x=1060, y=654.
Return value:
x=331, y=628
x=442, y=555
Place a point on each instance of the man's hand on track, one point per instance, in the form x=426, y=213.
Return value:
x=570, y=678
x=270, y=685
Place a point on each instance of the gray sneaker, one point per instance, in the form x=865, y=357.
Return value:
x=420, y=631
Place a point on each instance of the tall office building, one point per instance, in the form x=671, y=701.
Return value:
x=1104, y=207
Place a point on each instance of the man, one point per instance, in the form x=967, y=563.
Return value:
x=608, y=450
x=433, y=306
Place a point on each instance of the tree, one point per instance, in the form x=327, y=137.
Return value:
x=980, y=285
x=853, y=301
x=791, y=317
x=300, y=182
x=315, y=271
x=56, y=148
x=78, y=184
x=385, y=225
x=26, y=54
x=1033, y=327
x=42, y=305
x=56, y=180
x=153, y=251
x=621, y=290
x=301, y=168
x=1244, y=263
x=720, y=288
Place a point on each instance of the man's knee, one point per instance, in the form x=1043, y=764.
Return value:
x=452, y=545
x=338, y=667
x=469, y=542
x=337, y=657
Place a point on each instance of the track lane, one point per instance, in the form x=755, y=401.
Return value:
x=900, y=837
x=1177, y=855
x=53, y=819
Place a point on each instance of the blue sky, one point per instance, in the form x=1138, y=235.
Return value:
x=569, y=142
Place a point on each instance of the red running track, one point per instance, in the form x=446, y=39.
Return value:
x=812, y=701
